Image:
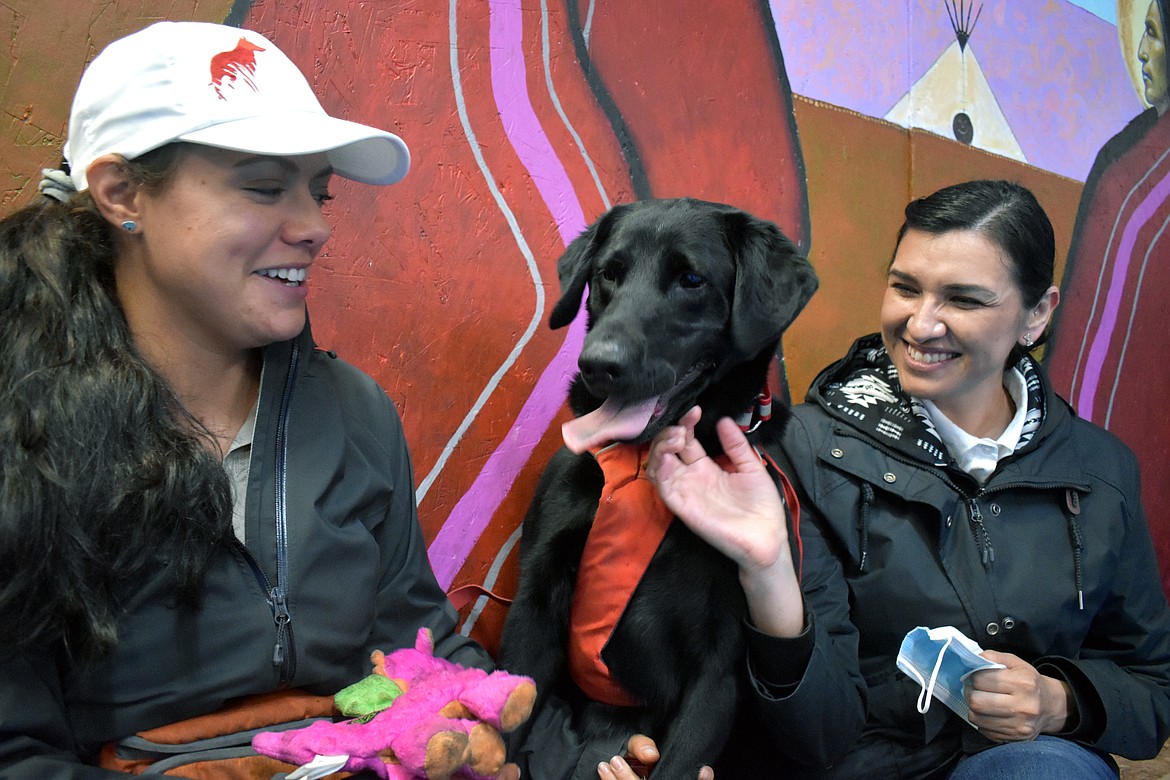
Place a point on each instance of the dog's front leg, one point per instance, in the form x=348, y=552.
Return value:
x=536, y=631
x=701, y=725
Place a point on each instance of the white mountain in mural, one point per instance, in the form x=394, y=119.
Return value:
x=954, y=100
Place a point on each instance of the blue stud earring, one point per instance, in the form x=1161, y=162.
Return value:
x=129, y=226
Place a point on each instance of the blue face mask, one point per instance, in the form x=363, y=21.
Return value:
x=939, y=660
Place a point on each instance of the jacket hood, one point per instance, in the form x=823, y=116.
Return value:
x=862, y=391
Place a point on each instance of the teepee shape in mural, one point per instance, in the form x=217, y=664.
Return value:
x=954, y=100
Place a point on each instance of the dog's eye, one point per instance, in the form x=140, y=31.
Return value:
x=611, y=272
x=691, y=281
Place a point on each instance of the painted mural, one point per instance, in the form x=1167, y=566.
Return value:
x=529, y=118
x=1106, y=353
x=1045, y=72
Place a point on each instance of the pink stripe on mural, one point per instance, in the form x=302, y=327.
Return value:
x=1112, y=308
x=466, y=523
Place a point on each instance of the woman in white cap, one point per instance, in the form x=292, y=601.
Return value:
x=196, y=504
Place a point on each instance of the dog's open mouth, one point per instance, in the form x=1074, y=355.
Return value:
x=622, y=420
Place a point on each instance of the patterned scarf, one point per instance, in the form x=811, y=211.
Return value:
x=863, y=389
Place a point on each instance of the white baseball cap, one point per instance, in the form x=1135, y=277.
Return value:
x=218, y=86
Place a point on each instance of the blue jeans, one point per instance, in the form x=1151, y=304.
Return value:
x=1045, y=758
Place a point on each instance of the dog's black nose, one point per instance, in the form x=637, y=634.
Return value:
x=604, y=365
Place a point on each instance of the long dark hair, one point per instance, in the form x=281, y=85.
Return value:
x=102, y=473
x=1009, y=215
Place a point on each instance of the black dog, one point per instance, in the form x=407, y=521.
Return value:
x=687, y=303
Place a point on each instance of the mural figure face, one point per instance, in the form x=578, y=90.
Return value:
x=952, y=312
x=224, y=249
x=1152, y=53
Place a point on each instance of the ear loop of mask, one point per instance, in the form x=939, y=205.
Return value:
x=928, y=689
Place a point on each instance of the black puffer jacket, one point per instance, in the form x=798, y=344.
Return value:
x=896, y=536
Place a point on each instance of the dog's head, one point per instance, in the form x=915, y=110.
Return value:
x=682, y=295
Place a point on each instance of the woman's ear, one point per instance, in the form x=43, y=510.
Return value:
x=113, y=190
x=1041, y=315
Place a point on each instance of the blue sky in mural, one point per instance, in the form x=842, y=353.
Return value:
x=1055, y=70
x=1106, y=9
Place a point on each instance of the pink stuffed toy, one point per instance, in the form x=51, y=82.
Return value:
x=446, y=721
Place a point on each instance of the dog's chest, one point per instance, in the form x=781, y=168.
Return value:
x=648, y=592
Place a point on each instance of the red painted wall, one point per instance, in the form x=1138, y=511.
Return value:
x=526, y=120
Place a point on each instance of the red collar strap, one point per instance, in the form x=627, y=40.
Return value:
x=760, y=411
x=792, y=507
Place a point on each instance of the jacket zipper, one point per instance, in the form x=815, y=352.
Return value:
x=279, y=606
x=284, y=656
x=982, y=537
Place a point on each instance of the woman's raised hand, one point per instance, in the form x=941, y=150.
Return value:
x=738, y=510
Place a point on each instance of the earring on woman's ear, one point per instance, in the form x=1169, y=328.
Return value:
x=129, y=226
x=1028, y=340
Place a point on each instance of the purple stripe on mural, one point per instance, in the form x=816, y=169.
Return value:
x=1112, y=308
x=475, y=509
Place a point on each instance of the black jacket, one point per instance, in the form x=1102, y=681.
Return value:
x=896, y=536
x=330, y=470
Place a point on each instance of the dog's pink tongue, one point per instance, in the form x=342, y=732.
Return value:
x=612, y=421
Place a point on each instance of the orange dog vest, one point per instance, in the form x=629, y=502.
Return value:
x=629, y=525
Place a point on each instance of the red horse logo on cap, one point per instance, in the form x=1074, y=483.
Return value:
x=228, y=67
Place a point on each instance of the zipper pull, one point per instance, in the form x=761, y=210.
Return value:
x=1072, y=500
x=280, y=616
x=981, y=535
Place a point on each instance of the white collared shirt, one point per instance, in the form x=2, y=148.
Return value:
x=978, y=456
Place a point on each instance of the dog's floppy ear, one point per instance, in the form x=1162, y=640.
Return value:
x=576, y=266
x=773, y=281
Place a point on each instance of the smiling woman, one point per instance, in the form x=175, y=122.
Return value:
x=953, y=466
x=955, y=311
x=196, y=505
x=217, y=263
x=942, y=482
x=207, y=524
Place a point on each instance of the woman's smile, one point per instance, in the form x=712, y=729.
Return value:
x=224, y=252
x=928, y=357
x=292, y=277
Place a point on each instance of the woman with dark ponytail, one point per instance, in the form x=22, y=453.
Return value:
x=947, y=492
